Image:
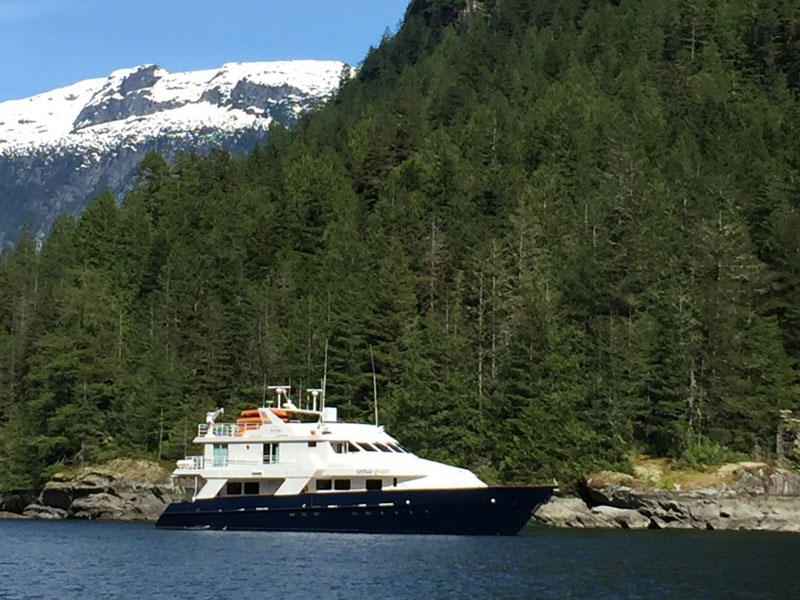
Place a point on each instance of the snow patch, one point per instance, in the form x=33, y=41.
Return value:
x=190, y=100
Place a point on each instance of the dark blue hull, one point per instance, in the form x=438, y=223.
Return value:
x=478, y=511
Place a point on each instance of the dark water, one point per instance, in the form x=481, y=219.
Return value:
x=115, y=560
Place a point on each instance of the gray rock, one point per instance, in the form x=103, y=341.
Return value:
x=703, y=511
x=37, y=511
x=621, y=517
x=130, y=99
x=573, y=512
x=563, y=512
x=760, y=497
x=764, y=480
x=120, y=490
x=4, y=514
x=247, y=94
x=101, y=506
x=670, y=522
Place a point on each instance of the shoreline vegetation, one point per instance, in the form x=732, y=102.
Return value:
x=553, y=233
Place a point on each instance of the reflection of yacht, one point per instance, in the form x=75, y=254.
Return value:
x=299, y=469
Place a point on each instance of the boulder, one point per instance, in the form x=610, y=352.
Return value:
x=566, y=512
x=574, y=512
x=4, y=514
x=765, y=480
x=37, y=511
x=100, y=506
x=621, y=517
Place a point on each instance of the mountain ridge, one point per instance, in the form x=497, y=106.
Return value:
x=60, y=148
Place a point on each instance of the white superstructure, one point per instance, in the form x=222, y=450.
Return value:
x=286, y=450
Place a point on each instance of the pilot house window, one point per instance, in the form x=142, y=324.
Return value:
x=220, y=456
x=271, y=453
x=374, y=485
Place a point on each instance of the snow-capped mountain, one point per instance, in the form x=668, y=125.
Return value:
x=61, y=148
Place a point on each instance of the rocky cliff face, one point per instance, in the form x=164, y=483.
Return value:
x=60, y=149
x=750, y=496
x=123, y=490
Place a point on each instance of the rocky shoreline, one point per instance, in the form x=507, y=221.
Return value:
x=741, y=496
x=120, y=490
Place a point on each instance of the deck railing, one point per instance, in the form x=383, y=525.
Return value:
x=191, y=463
x=194, y=463
x=226, y=429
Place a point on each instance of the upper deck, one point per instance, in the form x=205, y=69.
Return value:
x=274, y=428
x=302, y=448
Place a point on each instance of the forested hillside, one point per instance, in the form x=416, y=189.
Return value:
x=565, y=229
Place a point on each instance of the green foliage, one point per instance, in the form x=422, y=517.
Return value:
x=561, y=230
x=701, y=452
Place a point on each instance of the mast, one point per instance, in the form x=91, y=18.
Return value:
x=324, y=378
x=374, y=385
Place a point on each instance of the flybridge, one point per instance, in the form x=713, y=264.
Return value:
x=276, y=412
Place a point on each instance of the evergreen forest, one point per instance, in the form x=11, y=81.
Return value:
x=562, y=231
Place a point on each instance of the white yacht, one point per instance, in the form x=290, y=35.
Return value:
x=291, y=468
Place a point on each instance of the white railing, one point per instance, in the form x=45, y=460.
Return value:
x=241, y=463
x=194, y=463
x=226, y=429
x=191, y=463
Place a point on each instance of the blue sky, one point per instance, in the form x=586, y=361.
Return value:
x=46, y=44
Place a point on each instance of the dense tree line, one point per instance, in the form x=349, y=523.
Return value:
x=563, y=230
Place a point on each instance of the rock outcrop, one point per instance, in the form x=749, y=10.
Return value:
x=15, y=501
x=48, y=513
x=751, y=496
x=574, y=512
x=4, y=514
x=124, y=490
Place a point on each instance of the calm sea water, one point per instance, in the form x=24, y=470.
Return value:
x=75, y=559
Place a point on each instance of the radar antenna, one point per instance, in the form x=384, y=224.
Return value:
x=212, y=415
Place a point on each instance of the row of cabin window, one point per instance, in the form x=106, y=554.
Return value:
x=324, y=485
x=345, y=447
x=250, y=488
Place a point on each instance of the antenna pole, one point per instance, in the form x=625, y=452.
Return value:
x=325, y=377
x=374, y=385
